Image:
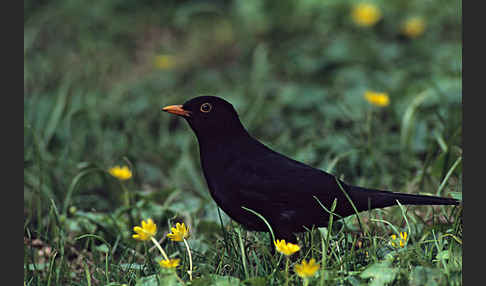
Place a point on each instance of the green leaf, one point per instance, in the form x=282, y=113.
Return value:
x=169, y=279
x=147, y=281
x=37, y=266
x=456, y=195
x=426, y=276
x=131, y=266
x=380, y=273
x=443, y=255
x=409, y=119
x=103, y=248
x=256, y=281
x=216, y=280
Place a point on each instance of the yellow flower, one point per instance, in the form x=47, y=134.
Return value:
x=286, y=248
x=413, y=27
x=377, y=98
x=365, y=14
x=401, y=242
x=146, y=232
x=165, y=62
x=169, y=263
x=307, y=269
x=179, y=232
x=121, y=173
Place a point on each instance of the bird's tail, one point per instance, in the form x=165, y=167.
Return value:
x=370, y=199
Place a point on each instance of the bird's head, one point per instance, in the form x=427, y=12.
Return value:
x=209, y=117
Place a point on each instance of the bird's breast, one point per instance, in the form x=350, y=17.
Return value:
x=229, y=196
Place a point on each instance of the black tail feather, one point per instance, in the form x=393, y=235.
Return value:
x=365, y=199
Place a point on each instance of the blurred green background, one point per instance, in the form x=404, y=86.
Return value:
x=96, y=74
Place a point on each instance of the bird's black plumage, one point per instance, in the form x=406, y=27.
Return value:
x=242, y=172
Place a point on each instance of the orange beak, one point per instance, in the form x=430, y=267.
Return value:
x=177, y=109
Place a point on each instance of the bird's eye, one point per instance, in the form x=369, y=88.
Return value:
x=206, y=107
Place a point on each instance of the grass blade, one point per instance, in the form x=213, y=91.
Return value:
x=408, y=119
x=243, y=254
x=352, y=205
x=263, y=219
x=73, y=186
x=449, y=173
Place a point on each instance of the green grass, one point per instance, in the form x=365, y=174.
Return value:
x=296, y=72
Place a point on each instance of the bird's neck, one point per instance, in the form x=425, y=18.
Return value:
x=222, y=144
x=222, y=136
x=217, y=153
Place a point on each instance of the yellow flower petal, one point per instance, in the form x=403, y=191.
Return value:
x=399, y=241
x=146, y=231
x=377, y=98
x=365, y=14
x=171, y=263
x=403, y=235
x=307, y=269
x=179, y=232
x=121, y=173
x=413, y=27
x=286, y=248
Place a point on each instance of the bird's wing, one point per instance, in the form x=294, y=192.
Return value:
x=276, y=185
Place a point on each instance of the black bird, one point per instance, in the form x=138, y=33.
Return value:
x=242, y=172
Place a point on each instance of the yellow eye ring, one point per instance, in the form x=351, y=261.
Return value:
x=206, y=107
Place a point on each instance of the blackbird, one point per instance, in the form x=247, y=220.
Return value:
x=242, y=172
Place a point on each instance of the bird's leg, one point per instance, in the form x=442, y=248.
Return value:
x=287, y=235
